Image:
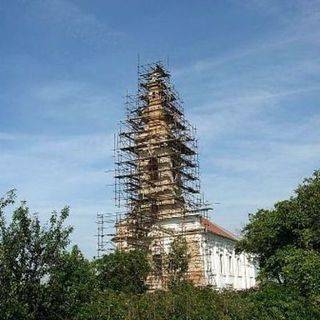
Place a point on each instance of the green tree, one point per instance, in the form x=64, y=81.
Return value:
x=178, y=261
x=301, y=270
x=286, y=239
x=71, y=284
x=29, y=254
x=123, y=271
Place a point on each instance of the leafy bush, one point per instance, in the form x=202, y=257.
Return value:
x=273, y=302
x=123, y=271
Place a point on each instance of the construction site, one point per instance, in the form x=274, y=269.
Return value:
x=157, y=190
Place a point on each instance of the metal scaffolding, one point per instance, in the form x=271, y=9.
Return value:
x=156, y=169
x=156, y=157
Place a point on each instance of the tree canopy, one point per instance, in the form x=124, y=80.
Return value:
x=123, y=271
x=285, y=240
x=29, y=255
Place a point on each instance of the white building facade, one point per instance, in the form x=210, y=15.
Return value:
x=213, y=260
x=223, y=267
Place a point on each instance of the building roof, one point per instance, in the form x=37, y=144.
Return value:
x=217, y=230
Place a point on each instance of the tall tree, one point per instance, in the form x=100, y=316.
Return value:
x=29, y=253
x=71, y=284
x=286, y=239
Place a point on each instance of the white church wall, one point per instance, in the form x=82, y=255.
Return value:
x=223, y=267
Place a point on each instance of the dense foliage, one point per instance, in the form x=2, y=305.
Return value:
x=29, y=255
x=42, y=278
x=272, y=302
x=286, y=240
x=123, y=271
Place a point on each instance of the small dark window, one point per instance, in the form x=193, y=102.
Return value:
x=175, y=170
x=153, y=169
x=154, y=209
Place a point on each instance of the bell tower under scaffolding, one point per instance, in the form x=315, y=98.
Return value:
x=157, y=167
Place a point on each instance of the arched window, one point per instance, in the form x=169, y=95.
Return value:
x=230, y=264
x=238, y=266
x=221, y=263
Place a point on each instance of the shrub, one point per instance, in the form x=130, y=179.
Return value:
x=123, y=271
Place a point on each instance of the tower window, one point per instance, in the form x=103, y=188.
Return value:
x=153, y=169
x=154, y=209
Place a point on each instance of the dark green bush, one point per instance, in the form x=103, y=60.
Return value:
x=272, y=302
x=123, y=271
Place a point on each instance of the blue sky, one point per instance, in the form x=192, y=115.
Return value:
x=248, y=72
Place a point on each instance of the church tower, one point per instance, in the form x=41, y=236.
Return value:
x=157, y=163
x=157, y=178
